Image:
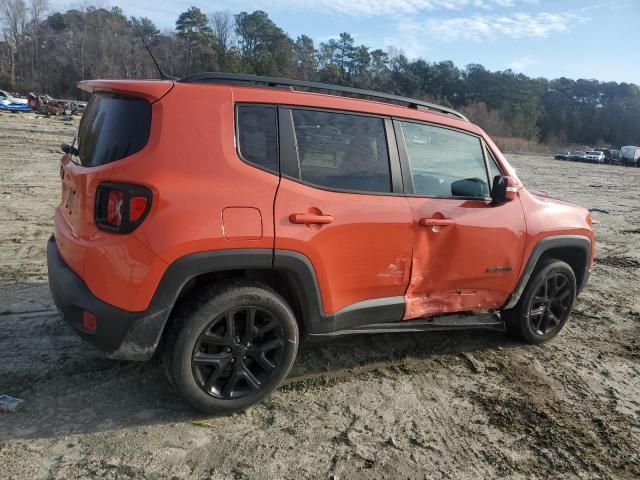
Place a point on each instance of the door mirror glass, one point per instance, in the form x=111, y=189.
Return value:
x=503, y=189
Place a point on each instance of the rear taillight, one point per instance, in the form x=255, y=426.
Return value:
x=121, y=207
x=137, y=207
x=115, y=202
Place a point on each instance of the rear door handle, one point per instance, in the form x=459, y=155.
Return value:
x=436, y=222
x=310, y=219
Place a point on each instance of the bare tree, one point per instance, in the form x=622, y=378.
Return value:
x=37, y=11
x=13, y=16
x=223, y=26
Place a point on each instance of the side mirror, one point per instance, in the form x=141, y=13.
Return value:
x=69, y=150
x=503, y=189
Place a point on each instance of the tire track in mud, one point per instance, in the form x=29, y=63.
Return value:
x=619, y=262
x=566, y=436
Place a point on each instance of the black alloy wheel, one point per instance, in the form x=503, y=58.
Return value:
x=229, y=345
x=551, y=304
x=238, y=352
x=545, y=304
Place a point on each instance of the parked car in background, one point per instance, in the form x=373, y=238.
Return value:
x=607, y=154
x=614, y=157
x=578, y=156
x=4, y=95
x=595, y=156
x=46, y=105
x=630, y=156
x=13, y=104
x=562, y=156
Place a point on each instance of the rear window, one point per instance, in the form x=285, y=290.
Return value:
x=113, y=127
x=258, y=136
x=342, y=151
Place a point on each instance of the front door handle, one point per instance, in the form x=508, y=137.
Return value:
x=436, y=222
x=310, y=219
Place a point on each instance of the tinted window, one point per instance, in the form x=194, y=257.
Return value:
x=258, y=136
x=340, y=151
x=113, y=127
x=445, y=163
x=494, y=169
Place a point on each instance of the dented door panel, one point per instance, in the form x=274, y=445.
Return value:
x=470, y=264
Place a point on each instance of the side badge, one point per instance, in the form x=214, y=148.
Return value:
x=498, y=269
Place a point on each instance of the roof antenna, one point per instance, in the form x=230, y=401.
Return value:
x=163, y=76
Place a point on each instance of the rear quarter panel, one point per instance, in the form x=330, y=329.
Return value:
x=191, y=166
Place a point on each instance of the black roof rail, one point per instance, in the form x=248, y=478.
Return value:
x=242, y=79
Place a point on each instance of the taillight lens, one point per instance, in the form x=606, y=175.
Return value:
x=121, y=207
x=115, y=203
x=137, y=207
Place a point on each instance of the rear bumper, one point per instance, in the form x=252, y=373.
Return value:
x=119, y=333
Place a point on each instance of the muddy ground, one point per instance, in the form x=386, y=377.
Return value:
x=457, y=405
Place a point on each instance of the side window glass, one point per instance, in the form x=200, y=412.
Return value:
x=445, y=163
x=494, y=170
x=258, y=136
x=343, y=152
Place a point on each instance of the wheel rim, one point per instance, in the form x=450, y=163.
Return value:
x=551, y=304
x=238, y=352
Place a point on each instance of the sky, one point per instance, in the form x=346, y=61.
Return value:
x=540, y=38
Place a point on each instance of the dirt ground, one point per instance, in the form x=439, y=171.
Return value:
x=457, y=405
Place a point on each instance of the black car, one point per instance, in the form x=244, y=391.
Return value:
x=562, y=156
x=615, y=157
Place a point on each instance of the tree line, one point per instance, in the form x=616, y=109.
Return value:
x=49, y=51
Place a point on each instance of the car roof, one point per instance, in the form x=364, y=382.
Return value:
x=154, y=90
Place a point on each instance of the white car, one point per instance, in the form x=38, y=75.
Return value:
x=7, y=98
x=595, y=157
x=630, y=156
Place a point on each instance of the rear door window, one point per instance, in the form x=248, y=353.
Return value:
x=258, y=135
x=113, y=127
x=444, y=162
x=342, y=151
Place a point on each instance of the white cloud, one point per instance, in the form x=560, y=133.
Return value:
x=391, y=7
x=416, y=37
x=484, y=27
x=522, y=63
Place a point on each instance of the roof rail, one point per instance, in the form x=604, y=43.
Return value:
x=242, y=79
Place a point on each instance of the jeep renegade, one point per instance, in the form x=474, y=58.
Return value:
x=219, y=218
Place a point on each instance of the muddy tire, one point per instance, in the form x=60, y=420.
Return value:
x=230, y=346
x=545, y=305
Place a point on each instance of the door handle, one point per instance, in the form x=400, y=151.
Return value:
x=436, y=222
x=310, y=219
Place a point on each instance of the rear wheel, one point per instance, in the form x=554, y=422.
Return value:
x=545, y=305
x=231, y=346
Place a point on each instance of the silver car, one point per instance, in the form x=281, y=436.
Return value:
x=595, y=157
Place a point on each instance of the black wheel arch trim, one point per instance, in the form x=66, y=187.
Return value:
x=578, y=242
x=305, y=284
x=129, y=335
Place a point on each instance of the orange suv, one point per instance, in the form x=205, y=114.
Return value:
x=219, y=218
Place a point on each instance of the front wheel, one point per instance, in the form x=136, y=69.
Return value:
x=230, y=346
x=545, y=305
